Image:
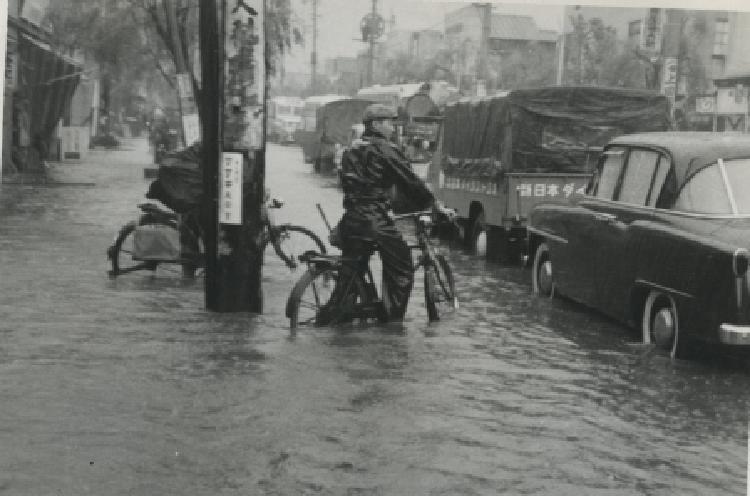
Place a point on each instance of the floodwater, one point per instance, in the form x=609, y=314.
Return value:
x=130, y=387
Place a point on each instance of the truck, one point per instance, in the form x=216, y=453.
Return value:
x=499, y=156
x=306, y=134
x=334, y=130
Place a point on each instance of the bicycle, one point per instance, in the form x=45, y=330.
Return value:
x=356, y=295
x=288, y=241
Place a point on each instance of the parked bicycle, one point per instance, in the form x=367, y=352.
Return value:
x=177, y=240
x=357, y=297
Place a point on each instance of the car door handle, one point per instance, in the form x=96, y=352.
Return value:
x=603, y=217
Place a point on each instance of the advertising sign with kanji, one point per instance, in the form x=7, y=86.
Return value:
x=244, y=76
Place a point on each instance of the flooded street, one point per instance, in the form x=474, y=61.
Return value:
x=129, y=386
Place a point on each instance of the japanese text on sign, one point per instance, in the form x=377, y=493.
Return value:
x=230, y=189
x=546, y=189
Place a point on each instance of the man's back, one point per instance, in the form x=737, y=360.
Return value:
x=372, y=166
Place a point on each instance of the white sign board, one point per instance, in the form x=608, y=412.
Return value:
x=731, y=100
x=230, y=189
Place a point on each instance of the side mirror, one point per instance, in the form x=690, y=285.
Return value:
x=277, y=203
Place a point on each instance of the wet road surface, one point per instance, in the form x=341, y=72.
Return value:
x=130, y=387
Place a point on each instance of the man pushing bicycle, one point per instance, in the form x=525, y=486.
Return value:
x=370, y=168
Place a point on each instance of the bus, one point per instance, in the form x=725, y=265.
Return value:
x=284, y=117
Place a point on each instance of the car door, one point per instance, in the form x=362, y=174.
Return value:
x=616, y=247
x=575, y=272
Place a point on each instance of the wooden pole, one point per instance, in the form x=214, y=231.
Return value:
x=211, y=72
x=371, y=61
x=314, y=54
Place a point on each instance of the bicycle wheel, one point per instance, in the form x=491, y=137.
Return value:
x=315, y=290
x=292, y=241
x=120, y=254
x=439, y=288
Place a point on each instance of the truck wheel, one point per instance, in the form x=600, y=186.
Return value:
x=505, y=245
x=479, y=233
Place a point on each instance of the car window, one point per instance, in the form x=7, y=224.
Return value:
x=639, y=172
x=659, y=178
x=609, y=173
x=705, y=193
x=738, y=174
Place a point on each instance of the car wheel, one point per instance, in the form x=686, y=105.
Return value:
x=660, y=323
x=542, y=277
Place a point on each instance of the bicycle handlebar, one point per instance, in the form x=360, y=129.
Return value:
x=413, y=214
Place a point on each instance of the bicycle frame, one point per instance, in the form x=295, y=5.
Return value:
x=360, y=268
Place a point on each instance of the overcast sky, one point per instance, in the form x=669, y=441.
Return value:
x=338, y=20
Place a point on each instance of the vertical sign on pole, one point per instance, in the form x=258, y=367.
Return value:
x=230, y=189
x=190, y=121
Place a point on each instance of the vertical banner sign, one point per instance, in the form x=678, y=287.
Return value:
x=190, y=120
x=230, y=189
x=244, y=76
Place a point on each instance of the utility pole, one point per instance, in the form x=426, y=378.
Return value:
x=485, y=10
x=371, y=63
x=561, y=49
x=234, y=79
x=211, y=77
x=314, y=54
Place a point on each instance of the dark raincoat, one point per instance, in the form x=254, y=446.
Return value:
x=370, y=169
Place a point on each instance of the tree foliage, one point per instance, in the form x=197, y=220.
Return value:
x=588, y=47
x=132, y=39
x=534, y=65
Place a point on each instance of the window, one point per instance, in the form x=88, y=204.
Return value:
x=721, y=37
x=636, y=183
x=634, y=30
x=609, y=173
x=705, y=193
x=661, y=175
x=718, y=65
x=738, y=174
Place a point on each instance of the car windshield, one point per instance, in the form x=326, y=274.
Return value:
x=715, y=191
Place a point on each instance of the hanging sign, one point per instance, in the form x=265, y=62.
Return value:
x=230, y=190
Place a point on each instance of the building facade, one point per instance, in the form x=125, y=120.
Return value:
x=39, y=85
x=506, y=34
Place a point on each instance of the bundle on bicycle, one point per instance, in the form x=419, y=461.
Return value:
x=172, y=235
x=337, y=289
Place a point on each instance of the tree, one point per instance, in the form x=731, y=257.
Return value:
x=128, y=39
x=533, y=65
x=588, y=47
x=98, y=29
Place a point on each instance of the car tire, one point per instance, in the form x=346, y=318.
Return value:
x=542, y=276
x=660, y=322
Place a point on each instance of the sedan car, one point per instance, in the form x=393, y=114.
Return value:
x=659, y=240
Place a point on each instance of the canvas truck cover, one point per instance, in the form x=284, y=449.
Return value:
x=335, y=119
x=554, y=130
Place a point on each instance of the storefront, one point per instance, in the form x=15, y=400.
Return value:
x=39, y=85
